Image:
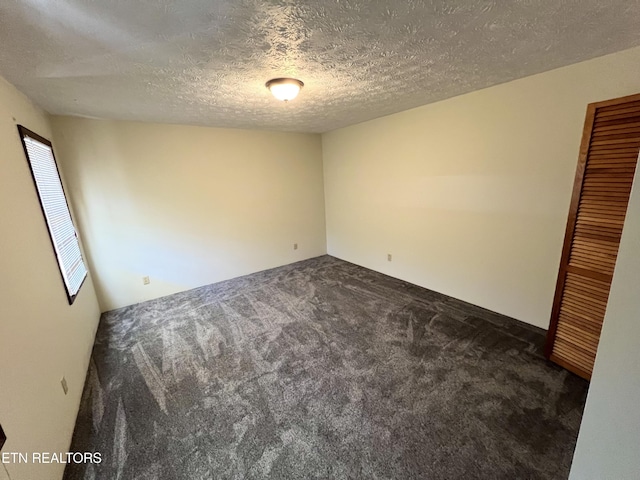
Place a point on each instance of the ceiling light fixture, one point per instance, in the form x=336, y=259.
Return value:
x=284, y=89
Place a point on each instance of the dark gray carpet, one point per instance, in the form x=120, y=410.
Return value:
x=323, y=369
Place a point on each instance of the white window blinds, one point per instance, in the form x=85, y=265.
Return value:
x=56, y=211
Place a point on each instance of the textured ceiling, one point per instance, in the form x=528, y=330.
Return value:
x=206, y=61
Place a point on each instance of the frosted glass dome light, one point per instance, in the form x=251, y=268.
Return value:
x=284, y=89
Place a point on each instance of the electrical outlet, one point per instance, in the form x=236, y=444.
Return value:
x=65, y=387
x=146, y=281
x=295, y=246
x=388, y=257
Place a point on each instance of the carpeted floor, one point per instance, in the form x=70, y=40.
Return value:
x=323, y=369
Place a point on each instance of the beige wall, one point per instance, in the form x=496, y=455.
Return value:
x=470, y=194
x=42, y=338
x=609, y=441
x=189, y=206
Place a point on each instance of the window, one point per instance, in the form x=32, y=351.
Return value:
x=56, y=210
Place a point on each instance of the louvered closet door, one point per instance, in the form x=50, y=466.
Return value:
x=606, y=166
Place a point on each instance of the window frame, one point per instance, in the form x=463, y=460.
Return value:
x=25, y=132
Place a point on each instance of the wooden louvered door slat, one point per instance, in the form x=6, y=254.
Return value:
x=606, y=166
